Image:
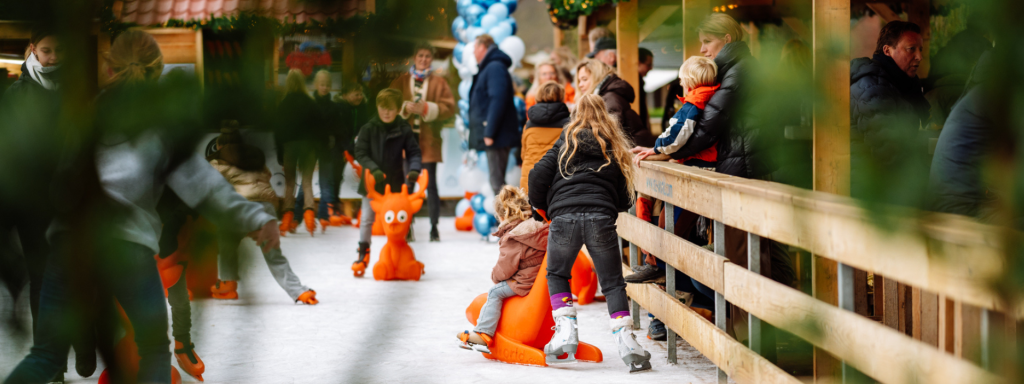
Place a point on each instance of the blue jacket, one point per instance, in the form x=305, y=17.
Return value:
x=679, y=131
x=492, y=112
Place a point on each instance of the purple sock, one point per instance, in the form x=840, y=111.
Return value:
x=619, y=314
x=561, y=300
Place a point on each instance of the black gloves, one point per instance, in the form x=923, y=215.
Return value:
x=410, y=180
x=378, y=176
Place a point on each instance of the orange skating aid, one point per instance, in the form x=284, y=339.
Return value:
x=188, y=360
x=286, y=222
x=396, y=261
x=309, y=217
x=323, y=225
x=526, y=325
x=225, y=290
x=308, y=297
x=583, y=283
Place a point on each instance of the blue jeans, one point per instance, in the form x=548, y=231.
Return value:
x=487, y=323
x=332, y=173
x=567, y=235
x=124, y=270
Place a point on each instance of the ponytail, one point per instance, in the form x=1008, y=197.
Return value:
x=134, y=58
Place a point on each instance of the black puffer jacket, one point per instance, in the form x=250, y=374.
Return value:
x=548, y=115
x=886, y=105
x=586, y=189
x=380, y=145
x=618, y=95
x=298, y=119
x=727, y=119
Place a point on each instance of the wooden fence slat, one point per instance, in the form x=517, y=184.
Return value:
x=688, y=258
x=876, y=350
x=743, y=365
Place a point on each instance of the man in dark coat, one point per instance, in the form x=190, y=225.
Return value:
x=493, y=122
x=887, y=109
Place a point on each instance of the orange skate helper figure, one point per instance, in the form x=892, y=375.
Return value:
x=397, y=261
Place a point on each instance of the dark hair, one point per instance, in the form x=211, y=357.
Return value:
x=892, y=32
x=352, y=86
x=485, y=40
x=40, y=32
x=424, y=46
x=645, y=54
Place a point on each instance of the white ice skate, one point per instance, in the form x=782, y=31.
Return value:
x=629, y=350
x=565, y=340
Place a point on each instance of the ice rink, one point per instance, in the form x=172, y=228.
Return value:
x=366, y=331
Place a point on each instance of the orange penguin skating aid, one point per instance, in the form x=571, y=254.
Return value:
x=396, y=261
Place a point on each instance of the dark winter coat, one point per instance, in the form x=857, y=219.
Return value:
x=617, y=95
x=492, y=113
x=521, y=250
x=887, y=108
x=727, y=119
x=30, y=148
x=299, y=119
x=541, y=132
x=950, y=69
x=353, y=117
x=955, y=185
x=380, y=147
x=330, y=112
x=586, y=190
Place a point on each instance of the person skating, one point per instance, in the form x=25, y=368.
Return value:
x=582, y=188
x=244, y=166
x=379, y=149
x=299, y=137
x=521, y=246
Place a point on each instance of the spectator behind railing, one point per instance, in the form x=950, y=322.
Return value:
x=593, y=76
x=543, y=128
x=545, y=72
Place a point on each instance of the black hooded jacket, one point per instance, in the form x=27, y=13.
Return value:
x=887, y=107
x=586, y=189
x=380, y=147
x=548, y=115
x=727, y=119
x=492, y=112
x=617, y=95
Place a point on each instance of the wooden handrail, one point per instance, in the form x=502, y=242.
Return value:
x=946, y=254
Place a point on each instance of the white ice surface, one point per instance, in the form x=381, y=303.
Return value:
x=366, y=331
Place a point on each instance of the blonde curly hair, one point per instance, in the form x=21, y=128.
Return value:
x=511, y=204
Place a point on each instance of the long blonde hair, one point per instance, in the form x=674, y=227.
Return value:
x=134, y=57
x=511, y=204
x=591, y=114
x=295, y=82
x=597, y=70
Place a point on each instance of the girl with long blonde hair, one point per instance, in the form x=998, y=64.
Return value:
x=582, y=184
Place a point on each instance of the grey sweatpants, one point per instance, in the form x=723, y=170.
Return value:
x=227, y=262
x=368, y=217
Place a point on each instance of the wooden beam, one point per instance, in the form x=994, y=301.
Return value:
x=656, y=19
x=627, y=47
x=559, y=37
x=693, y=12
x=919, y=12
x=883, y=10
x=583, y=47
x=371, y=6
x=891, y=303
x=699, y=263
x=945, y=324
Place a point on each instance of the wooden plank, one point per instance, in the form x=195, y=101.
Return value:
x=583, y=46
x=919, y=12
x=739, y=362
x=967, y=332
x=884, y=11
x=877, y=299
x=824, y=280
x=696, y=262
x=876, y=350
x=559, y=37
x=945, y=326
x=655, y=20
x=929, y=324
x=200, y=63
x=15, y=30
x=831, y=143
x=890, y=297
x=627, y=47
x=860, y=292
x=693, y=12
x=905, y=308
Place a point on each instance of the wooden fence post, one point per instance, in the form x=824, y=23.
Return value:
x=670, y=279
x=627, y=41
x=581, y=32
x=721, y=306
x=693, y=12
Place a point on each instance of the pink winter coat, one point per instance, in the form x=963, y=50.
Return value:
x=521, y=251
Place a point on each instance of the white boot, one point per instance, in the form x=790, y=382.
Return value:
x=629, y=350
x=565, y=339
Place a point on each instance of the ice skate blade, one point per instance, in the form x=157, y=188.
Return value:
x=637, y=363
x=480, y=348
x=554, y=360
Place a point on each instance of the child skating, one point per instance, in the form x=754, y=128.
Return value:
x=245, y=168
x=521, y=246
x=379, y=149
x=582, y=184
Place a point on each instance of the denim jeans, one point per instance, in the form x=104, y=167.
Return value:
x=332, y=173
x=124, y=270
x=567, y=235
x=491, y=311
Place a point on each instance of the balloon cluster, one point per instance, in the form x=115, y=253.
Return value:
x=477, y=17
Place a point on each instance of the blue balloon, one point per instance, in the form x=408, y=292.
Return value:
x=511, y=21
x=457, y=52
x=473, y=13
x=477, y=203
x=499, y=10
x=463, y=105
x=473, y=32
x=500, y=32
x=487, y=3
x=483, y=222
x=488, y=21
x=457, y=25
x=510, y=4
x=462, y=5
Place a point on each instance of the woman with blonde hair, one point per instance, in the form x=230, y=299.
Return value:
x=593, y=76
x=299, y=136
x=138, y=156
x=543, y=73
x=582, y=184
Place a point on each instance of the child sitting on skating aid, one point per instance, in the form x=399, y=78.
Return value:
x=522, y=244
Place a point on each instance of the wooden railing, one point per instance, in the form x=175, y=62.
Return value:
x=944, y=254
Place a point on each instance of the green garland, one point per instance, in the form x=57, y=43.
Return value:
x=564, y=13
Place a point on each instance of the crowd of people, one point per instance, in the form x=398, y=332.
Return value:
x=580, y=148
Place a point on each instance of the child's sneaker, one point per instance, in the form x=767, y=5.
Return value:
x=308, y=297
x=225, y=290
x=474, y=341
x=188, y=360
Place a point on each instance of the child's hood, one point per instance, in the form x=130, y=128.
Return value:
x=530, y=232
x=699, y=96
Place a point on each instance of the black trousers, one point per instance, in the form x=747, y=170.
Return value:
x=497, y=162
x=567, y=235
x=433, y=199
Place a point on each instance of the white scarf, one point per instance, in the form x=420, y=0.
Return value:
x=39, y=73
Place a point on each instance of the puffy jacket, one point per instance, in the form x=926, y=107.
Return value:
x=521, y=249
x=586, y=190
x=955, y=185
x=353, y=117
x=252, y=185
x=617, y=95
x=29, y=153
x=299, y=119
x=380, y=147
x=541, y=133
x=492, y=113
x=727, y=119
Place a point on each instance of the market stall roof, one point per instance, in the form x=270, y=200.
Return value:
x=149, y=12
